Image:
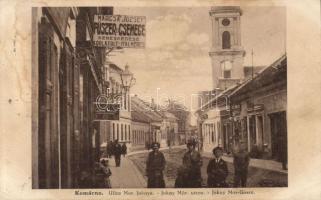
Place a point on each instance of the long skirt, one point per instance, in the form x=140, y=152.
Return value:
x=155, y=180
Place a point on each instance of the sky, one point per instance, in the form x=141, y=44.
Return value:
x=176, y=64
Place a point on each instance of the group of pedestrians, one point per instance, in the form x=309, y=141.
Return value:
x=189, y=173
x=115, y=149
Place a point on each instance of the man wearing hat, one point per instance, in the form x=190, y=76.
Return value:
x=117, y=153
x=217, y=170
x=241, y=160
x=155, y=165
x=192, y=161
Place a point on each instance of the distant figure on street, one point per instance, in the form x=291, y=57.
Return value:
x=124, y=149
x=192, y=162
x=109, y=149
x=105, y=163
x=155, y=166
x=241, y=162
x=117, y=152
x=217, y=170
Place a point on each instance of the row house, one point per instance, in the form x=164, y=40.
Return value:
x=183, y=120
x=163, y=126
x=253, y=112
x=259, y=112
x=118, y=128
x=145, y=123
x=66, y=74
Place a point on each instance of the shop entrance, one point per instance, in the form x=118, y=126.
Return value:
x=279, y=136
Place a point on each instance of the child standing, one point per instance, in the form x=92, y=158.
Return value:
x=107, y=172
x=217, y=170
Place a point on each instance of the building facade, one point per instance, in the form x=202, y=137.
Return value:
x=253, y=112
x=243, y=105
x=259, y=114
x=117, y=129
x=66, y=78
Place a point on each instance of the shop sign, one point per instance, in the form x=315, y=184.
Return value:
x=119, y=31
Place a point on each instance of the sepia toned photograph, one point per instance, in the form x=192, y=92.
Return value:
x=159, y=97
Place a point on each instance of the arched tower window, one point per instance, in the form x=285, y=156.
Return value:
x=226, y=40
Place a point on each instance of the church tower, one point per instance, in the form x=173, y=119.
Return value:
x=226, y=52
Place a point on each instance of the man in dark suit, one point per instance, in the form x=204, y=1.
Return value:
x=217, y=170
x=241, y=162
x=117, y=153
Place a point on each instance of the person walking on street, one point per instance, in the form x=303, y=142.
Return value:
x=192, y=162
x=241, y=162
x=109, y=149
x=155, y=166
x=117, y=152
x=217, y=170
x=124, y=149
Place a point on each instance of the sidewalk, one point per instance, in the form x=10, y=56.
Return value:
x=162, y=148
x=127, y=175
x=259, y=163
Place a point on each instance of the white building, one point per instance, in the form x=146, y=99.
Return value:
x=117, y=129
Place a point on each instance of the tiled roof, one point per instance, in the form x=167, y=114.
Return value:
x=141, y=111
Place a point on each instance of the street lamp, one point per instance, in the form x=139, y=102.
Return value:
x=127, y=78
x=127, y=81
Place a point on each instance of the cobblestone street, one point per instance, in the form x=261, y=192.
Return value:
x=257, y=177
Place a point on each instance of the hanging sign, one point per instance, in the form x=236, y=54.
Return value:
x=119, y=31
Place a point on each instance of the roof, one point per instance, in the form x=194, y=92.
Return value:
x=273, y=73
x=248, y=70
x=217, y=97
x=169, y=115
x=142, y=112
x=225, y=9
x=140, y=117
x=265, y=76
x=114, y=66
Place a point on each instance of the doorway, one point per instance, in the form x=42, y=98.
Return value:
x=278, y=136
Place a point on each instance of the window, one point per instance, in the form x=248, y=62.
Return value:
x=125, y=131
x=117, y=131
x=133, y=136
x=213, y=134
x=227, y=74
x=129, y=132
x=226, y=40
x=122, y=132
x=113, y=131
x=226, y=67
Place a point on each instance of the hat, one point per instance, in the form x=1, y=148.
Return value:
x=217, y=149
x=104, y=160
x=155, y=144
x=191, y=143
